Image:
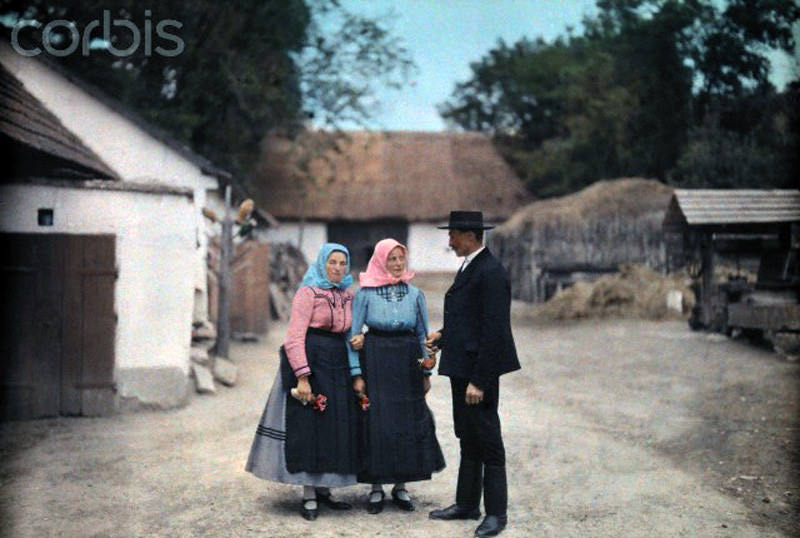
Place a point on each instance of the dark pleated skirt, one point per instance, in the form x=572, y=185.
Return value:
x=324, y=442
x=399, y=434
x=297, y=445
x=267, y=459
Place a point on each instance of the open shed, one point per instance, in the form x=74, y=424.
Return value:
x=755, y=229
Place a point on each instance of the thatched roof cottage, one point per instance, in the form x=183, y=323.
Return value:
x=86, y=169
x=371, y=185
x=97, y=308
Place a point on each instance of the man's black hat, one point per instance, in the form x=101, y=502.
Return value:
x=466, y=220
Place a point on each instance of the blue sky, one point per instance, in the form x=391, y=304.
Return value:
x=444, y=36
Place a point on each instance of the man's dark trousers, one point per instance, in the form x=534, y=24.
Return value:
x=483, y=455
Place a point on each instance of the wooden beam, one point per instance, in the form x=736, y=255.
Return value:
x=225, y=279
x=707, y=292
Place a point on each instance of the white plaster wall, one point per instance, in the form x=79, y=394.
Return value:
x=155, y=251
x=428, y=250
x=427, y=244
x=314, y=235
x=129, y=150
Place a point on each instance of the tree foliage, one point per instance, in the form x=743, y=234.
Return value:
x=247, y=66
x=651, y=87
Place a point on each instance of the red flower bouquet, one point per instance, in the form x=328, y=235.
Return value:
x=428, y=363
x=319, y=402
x=363, y=400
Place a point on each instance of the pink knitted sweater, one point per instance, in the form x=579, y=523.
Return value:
x=315, y=307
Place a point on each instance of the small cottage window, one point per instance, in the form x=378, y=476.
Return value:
x=45, y=217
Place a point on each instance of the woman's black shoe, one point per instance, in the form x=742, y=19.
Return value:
x=309, y=514
x=377, y=506
x=401, y=503
x=325, y=498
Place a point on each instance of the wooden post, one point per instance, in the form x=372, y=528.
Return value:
x=225, y=278
x=707, y=246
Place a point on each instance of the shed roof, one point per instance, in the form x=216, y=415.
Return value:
x=703, y=207
x=26, y=123
x=414, y=176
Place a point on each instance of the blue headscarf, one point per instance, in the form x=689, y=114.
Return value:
x=316, y=274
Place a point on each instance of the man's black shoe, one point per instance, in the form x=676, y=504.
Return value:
x=491, y=526
x=455, y=512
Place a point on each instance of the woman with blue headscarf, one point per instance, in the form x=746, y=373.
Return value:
x=301, y=439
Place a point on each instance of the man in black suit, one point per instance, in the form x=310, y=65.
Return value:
x=477, y=348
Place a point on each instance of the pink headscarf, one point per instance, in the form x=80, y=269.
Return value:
x=377, y=274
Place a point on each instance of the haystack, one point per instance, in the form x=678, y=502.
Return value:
x=635, y=292
x=551, y=244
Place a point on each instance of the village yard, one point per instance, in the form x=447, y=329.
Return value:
x=613, y=428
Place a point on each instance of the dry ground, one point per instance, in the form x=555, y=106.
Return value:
x=612, y=428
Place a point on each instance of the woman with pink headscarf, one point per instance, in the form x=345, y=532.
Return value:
x=399, y=431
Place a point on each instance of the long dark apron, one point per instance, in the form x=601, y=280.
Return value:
x=324, y=442
x=400, y=435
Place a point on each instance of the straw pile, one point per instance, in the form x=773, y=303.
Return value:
x=635, y=292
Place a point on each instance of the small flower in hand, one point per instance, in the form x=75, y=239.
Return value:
x=320, y=403
x=428, y=363
x=363, y=400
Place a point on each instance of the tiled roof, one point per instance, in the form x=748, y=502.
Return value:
x=26, y=122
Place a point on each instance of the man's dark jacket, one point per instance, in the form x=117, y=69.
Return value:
x=477, y=343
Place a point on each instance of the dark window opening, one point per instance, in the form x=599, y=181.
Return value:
x=45, y=217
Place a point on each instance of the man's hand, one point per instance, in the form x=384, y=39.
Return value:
x=474, y=395
x=358, y=385
x=357, y=342
x=430, y=342
x=304, y=389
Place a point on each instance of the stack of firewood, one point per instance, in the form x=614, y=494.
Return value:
x=286, y=268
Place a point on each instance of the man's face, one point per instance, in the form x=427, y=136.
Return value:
x=462, y=242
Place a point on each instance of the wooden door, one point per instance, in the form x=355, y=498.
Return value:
x=58, y=325
x=360, y=237
x=250, y=286
x=250, y=304
x=87, y=367
x=30, y=347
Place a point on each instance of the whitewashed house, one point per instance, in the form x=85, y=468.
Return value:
x=386, y=184
x=140, y=199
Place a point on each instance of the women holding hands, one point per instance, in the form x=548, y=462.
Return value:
x=401, y=444
x=314, y=445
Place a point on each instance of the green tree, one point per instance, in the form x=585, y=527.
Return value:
x=721, y=153
x=643, y=84
x=247, y=66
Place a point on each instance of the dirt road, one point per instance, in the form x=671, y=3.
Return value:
x=613, y=429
